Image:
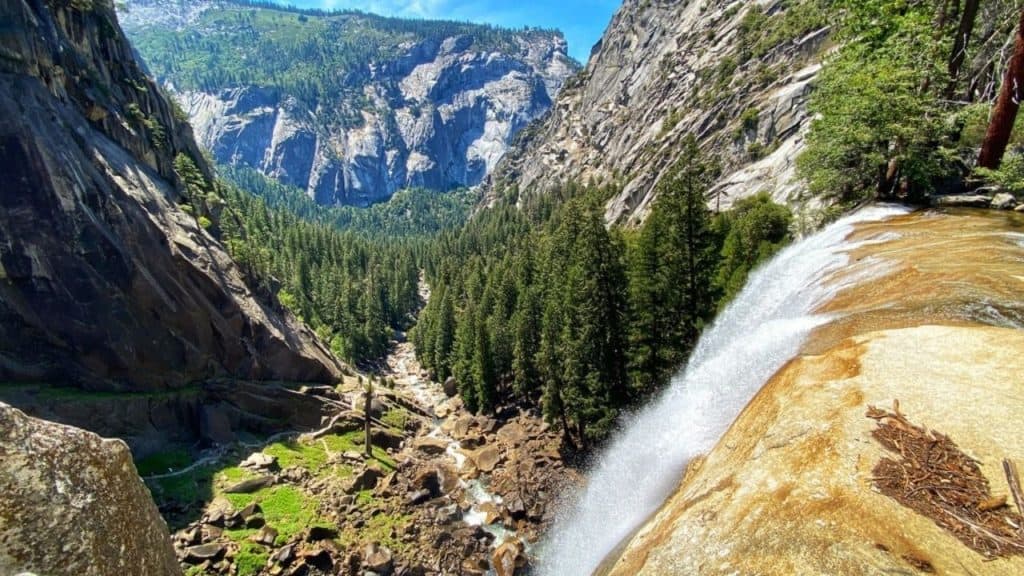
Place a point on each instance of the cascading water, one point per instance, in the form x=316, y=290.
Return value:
x=762, y=329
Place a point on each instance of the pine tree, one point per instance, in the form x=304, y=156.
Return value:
x=464, y=355
x=483, y=370
x=444, y=340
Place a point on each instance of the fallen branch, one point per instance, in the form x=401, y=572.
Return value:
x=1014, y=481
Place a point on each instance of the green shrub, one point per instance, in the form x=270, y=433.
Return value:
x=754, y=230
x=1009, y=177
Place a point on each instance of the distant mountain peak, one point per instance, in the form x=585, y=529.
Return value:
x=347, y=105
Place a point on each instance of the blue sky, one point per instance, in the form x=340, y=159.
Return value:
x=582, y=21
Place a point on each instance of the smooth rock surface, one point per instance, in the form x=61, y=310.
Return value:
x=1004, y=201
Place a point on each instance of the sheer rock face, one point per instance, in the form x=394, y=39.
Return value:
x=73, y=504
x=439, y=115
x=661, y=73
x=104, y=279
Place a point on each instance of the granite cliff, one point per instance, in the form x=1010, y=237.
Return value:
x=394, y=104
x=105, y=280
x=734, y=74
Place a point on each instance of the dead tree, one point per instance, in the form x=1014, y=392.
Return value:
x=1005, y=112
x=963, y=38
x=367, y=422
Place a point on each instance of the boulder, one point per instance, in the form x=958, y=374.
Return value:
x=487, y=458
x=317, y=558
x=378, y=559
x=386, y=438
x=249, y=486
x=1019, y=208
x=365, y=480
x=516, y=507
x=250, y=509
x=508, y=557
x=513, y=434
x=474, y=567
x=451, y=387
x=962, y=201
x=72, y=503
x=490, y=512
x=428, y=480
x=353, y=456
x=1004, y=201
x=294, y=475
x=211, y=532
x=260, y=461
x=266, y=536
x=190, y=536
x=419, y=497
x=284, y=555
x=472, y=441
x=203, y=552
x=255, y=521
x=461, y=426
x=430, y=446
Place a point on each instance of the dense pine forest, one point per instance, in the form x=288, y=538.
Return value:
x=547, y=306
x=351, y=275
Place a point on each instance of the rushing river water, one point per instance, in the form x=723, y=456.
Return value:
x=762, y=329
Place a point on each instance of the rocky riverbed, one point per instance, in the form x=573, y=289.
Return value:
x=445, y=492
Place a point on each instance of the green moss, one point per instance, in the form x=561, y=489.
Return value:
x=287, y=508
x=397, y=418
x=364, y=497
x=310, y=456
x=163, y=462
x=382, y=528
x=251, y=559
x=234, y=474
x=195, y=486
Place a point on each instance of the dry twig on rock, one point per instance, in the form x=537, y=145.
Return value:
x=936, y=479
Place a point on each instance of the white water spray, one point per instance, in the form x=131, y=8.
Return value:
x=762, y=329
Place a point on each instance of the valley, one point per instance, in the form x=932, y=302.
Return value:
x=313, y=291
x=444, y=492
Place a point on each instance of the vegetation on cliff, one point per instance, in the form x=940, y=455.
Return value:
x=353, y=276
x=905, y=101
x=321, y=57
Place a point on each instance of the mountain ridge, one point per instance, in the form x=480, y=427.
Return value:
x=393, y=104
x=735, y=76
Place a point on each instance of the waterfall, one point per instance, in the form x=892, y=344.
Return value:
x=761, y=330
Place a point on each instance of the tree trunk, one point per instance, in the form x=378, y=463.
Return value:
x=367, y=425
x=963, y=37
x=1005, y=112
